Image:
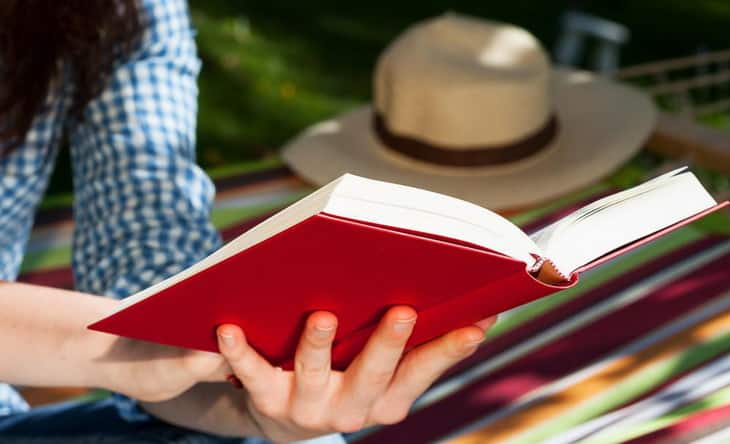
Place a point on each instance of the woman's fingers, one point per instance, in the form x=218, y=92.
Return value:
x=486, y=324
x=253, y=371
x=421, y=367
x=312, y=368
x=378, y=387
x=371, y=372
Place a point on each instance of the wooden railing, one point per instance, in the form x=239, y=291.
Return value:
x=687, y=89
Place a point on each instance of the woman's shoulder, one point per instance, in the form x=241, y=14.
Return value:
x=166, y=30
x=165, y=22
x=166, y=17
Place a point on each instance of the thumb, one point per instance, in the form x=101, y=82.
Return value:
x=206, y=366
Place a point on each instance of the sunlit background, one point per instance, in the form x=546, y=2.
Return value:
x=273, y=67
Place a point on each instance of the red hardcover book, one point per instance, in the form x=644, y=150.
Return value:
x=358, y=246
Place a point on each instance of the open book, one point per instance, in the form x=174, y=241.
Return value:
x=357, y=245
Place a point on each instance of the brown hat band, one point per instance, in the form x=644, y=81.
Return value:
x=468, y=156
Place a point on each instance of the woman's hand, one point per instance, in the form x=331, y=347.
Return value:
x=153, y=372
x=378, y=387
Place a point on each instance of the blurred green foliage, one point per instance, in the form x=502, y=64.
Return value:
x=273, y=67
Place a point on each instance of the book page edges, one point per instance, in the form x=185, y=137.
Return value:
x=541, y=268
x=548, y=273
x=639, y=242
x=434, y=236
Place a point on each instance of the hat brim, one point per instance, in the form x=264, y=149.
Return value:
x=602, y=124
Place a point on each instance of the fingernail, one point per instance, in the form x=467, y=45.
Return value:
x=404, y=324
x=228, y=339
x=472, y=344
x=323, y=331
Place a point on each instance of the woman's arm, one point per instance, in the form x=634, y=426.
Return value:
x=141, y=204
x=44, y=328
x=44, y=342
x=219, y=409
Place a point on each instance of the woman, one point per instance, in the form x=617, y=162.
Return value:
x=117, y=80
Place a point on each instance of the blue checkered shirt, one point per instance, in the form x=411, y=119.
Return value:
x=141, y=205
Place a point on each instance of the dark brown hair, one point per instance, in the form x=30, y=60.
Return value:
x=39, y=37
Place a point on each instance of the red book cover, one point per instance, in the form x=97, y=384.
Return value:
x=355, y=270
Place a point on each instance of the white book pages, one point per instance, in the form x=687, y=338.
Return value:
x=581, y=237
x=617, y=220
x=381, y=203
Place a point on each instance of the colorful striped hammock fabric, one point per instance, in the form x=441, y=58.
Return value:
x=637, y=352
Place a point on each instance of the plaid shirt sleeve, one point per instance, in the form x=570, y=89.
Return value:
x=141, y=203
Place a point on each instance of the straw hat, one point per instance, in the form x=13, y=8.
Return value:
x=473, y=109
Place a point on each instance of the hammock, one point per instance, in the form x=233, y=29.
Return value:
x=638, y=351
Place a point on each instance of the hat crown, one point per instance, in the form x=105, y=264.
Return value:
x=461, y=83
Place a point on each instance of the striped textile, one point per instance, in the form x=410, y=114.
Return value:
x=637, y=352
x=686, y=423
